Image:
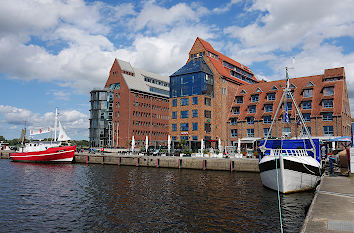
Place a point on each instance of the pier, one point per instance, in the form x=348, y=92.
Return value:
x=332, y=208
x=201, y=163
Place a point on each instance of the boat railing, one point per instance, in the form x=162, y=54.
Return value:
x=289, y=152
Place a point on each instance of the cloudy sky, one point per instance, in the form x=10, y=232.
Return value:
x=53, y=52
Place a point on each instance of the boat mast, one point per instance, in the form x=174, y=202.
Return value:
x=55, y=124
x=286, y=93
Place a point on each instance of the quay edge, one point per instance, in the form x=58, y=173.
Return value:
x=229, y=164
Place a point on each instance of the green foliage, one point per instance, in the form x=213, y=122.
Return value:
x=80, y=143
x=2, y=139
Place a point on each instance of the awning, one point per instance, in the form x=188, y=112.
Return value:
x=341, y=139
x=249, y=140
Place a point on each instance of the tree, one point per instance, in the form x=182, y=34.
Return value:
x=2, y=139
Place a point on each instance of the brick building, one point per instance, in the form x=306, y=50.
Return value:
x=322, y=100
x=202, y=92
x=137, y=105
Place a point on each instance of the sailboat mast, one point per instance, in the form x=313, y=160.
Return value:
x=55, y=124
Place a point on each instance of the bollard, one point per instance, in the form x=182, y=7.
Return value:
x=179, y=163
x=87, y=159
x=204, y=164
x=232, y=165
x=137, y=162
x=157, y=162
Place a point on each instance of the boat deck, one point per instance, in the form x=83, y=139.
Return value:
x=332, y=209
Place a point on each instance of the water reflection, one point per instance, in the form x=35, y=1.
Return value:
x=96, y=198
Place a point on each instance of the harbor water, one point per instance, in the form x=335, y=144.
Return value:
x=109, y=198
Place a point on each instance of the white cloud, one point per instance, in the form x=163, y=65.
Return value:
x=157, y=18
x=13, y=118
x=225, y=8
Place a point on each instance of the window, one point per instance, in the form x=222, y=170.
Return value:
x=306, y=105
x=250, y=133
x=328, y=91
x=286, y=132
x=184, y=126
x=174, y=127
x=327, y=103
x=328, y=116
x=195, y=126
x=207, y=127
x=308, y=92
x=195, y=113
x=252, y=109
x=195, y=100
x=234, y=133
x=268, y=107
x=254, y=98
x=307, y=117
x=207, y=114
x=184, y=114
x=174, y=103
x=184, y=101
x=328, y=130
x=289, y=105
x=267, y=119
x=236, y=110
x=223, y=90
x=233, y=121
x=265, y=132
x=174, y=115
x=184, y=138
x=250, y=120
x=271, y=96
x=194, y=138
x=239, y=99
x=174, y=138
x=207, y=101
x=303, y=131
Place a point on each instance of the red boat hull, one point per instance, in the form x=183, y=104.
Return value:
x=55, y=154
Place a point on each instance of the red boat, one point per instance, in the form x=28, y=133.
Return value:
x=54, y=154
x=45, y=151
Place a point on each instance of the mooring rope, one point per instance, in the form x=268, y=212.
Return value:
x=279, y=204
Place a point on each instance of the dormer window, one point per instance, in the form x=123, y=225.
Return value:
x=271, y=96
x=259, y=90
x=239, y=99
x=308, y=93
x=327, y=91
x=274, y=88
x=243, y=92
x=310, y=84
x=254, y=98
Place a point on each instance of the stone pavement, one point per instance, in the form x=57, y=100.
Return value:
x=332, y=209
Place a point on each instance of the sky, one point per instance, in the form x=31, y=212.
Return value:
x=53, y=52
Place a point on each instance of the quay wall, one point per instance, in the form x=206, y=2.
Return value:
x=200, y=163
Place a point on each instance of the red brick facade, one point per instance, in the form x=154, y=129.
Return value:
x=328, y=108
x=136, y=113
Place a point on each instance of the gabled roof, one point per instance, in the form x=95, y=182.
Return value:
x=221, y=57
x=193, y=66
x=138, y=83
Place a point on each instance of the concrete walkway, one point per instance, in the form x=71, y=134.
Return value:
x=332, y=209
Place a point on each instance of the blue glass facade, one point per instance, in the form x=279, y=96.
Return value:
x=194, y=78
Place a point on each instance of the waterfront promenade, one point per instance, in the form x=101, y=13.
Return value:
x=332, y=209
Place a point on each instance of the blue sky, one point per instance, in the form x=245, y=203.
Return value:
x=52, y=53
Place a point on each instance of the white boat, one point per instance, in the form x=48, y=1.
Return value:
x=290, y=165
